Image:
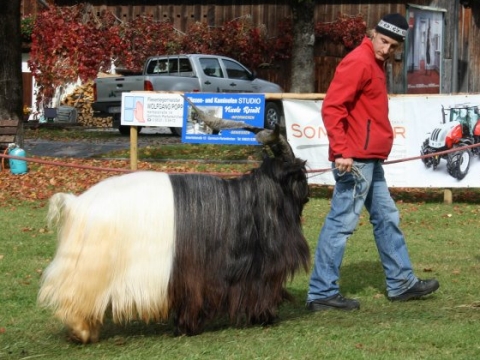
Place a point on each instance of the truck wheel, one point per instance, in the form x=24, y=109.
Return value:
x=458, y=163
x=273, y=115
x=125, y=130
x=177, y=131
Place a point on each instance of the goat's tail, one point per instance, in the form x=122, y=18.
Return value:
x=58, y=204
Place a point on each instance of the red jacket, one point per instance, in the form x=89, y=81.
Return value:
x=355, y=108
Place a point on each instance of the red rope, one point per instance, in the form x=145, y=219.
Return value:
x=440, y=153
x=77, y=166
x=55, y=163
x=88, y=167
x=433, y=154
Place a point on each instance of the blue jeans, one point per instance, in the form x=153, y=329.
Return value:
x=365, y=186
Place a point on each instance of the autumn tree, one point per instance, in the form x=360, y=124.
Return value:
x=302, y=60
x=11, y=63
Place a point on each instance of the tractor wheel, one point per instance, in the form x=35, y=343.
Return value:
x=458, y=163
x=177, y=131
x=425, y=150
x=124, y=130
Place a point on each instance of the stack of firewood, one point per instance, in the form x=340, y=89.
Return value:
x=81, y=99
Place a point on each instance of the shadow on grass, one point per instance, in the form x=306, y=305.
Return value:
x=120, y=334
x=356, y=277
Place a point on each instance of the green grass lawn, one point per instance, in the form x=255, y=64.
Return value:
x=443, y=243
x=442, y=239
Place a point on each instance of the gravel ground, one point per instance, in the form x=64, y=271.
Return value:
x=93, y=147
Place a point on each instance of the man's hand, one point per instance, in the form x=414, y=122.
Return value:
x=344, y=164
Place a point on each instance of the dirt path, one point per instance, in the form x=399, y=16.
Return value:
x=93, y=147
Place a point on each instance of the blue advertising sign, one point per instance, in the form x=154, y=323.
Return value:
x=248, y=108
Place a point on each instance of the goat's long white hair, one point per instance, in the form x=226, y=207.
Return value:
x=97, y=264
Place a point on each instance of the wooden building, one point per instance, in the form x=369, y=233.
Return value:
x=455, y=51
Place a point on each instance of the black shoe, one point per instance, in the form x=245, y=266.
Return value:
x=421, y=288
x=333, y=302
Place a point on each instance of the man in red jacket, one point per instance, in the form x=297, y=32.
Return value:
x=355, y=114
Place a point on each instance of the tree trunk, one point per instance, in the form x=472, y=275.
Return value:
x=11, y=103
x=303, y=61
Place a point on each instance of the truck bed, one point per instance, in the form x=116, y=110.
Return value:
x=109, y=91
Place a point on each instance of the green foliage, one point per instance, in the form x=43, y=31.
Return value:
x=26, y=26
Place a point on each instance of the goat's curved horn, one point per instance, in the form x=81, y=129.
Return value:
x=276, y=141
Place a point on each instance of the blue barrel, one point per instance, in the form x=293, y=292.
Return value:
x=17, y=167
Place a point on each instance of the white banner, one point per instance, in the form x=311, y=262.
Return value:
x=151, y=109
x=413, y=119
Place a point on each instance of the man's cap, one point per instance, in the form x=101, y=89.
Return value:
x=394, y=26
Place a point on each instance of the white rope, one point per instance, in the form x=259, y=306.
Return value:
x=359, y=180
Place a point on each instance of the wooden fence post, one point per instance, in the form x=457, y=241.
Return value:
x=447, y=196
x=133, y=148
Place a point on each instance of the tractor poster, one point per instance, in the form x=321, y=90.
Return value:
x=435, y=140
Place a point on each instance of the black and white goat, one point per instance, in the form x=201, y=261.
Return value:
x=148, y=245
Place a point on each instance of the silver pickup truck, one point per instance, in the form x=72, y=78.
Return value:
x=185, y=73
